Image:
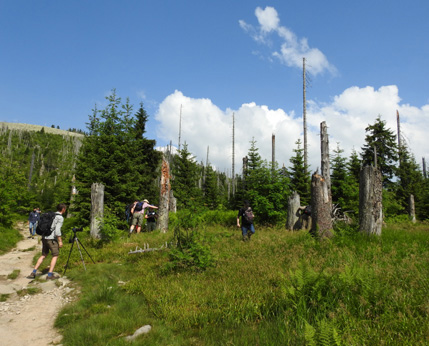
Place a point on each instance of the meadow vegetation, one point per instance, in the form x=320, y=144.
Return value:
x=282, y=288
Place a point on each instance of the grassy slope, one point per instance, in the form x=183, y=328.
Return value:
x=281, y=288
x=9, y=237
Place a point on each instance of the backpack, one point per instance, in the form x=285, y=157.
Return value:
x=128, y=212
x=248, y=215
x=44, y=227
x=307, y=210
x=139, y=206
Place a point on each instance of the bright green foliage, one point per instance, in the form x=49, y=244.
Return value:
x=299, y=175
x=116, y=155
x=266, y=188
x=186, y=176
x=211, y=189
x=354, y=166
x=36, y=169
x=384, y=142
x=344, y=188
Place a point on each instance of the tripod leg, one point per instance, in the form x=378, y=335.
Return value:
x=80, y=252
x=68, y=259
x=86, y=252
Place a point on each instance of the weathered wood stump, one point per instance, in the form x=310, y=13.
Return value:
x=320, y=208
x=370, y=200
x=412, y=209
x=293, y=221
x=97, y=208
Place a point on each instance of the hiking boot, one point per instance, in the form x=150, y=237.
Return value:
x=53, y=277
x=245, y=238
x=31, y=276
x=248, y=236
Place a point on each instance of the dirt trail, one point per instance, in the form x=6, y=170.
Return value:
x=28, y=319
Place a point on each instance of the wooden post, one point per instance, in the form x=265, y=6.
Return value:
x=293, y=207
x=164, y=198
x=412, y=209
x=320, y=207
x=370, y=200
x=97, y=208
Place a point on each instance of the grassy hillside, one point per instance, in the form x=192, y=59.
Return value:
x=36, y=128
x=282, y=288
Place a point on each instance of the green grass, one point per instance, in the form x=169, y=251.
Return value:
x=29, y=290
x=4, y=297
x=9, y=237
x=281, y=288
x=14, y=274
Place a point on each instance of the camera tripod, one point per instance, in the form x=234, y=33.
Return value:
x=76, y=240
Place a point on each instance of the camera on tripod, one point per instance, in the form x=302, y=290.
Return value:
x=77, y=229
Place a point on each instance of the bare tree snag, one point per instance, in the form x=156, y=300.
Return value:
x=320, y=207
x=324, y=148
x=370, y=200
x=293, y=212
x=412, y=209
x=164, y=198
x=97, y=208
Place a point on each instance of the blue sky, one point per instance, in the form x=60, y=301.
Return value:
x=215, y=58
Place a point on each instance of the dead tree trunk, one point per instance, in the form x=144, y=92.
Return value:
x=97, y=208
x=320, y=207
x=412, y=209
x=164, y=198
x=324, y=148
x=370, y=200
x=293, y=211
x=172, y=203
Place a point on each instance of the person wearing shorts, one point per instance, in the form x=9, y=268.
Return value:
x=52, y=244
x=139, y=215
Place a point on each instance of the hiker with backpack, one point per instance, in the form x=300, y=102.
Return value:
x=151, y=217
x=50, y=228
x=33, y=219
x=247, y=216
x=138, y=211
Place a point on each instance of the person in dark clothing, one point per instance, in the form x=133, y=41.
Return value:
x=33, y=219
x=246, y=214
x=150, y=219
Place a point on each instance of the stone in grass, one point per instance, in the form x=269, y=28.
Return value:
x=143, y=330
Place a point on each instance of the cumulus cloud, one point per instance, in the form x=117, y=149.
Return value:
x=292, y=48
x=206, y=125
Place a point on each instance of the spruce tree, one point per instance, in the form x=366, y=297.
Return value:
x=112, y=155
x=299, y=175
x=410, y=181
x=384, y=142
x=186, y=175
x=344, y=188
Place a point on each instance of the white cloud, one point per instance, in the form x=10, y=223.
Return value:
x=204, y=124
x=292, y=50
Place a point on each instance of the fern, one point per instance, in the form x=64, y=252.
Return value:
x=309, y=334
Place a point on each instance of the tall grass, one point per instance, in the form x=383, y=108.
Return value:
x=280, y=288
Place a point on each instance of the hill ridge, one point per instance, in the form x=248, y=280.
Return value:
x=35, y=128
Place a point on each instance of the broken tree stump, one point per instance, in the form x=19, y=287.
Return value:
x=370, y=200
x=293, y=221
x=320, y=207
x=97, y=209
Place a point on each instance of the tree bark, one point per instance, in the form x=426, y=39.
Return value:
x=370, y=200
x=164, y=199
x=97, y=208
x=293, y=212
x=320, y=207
